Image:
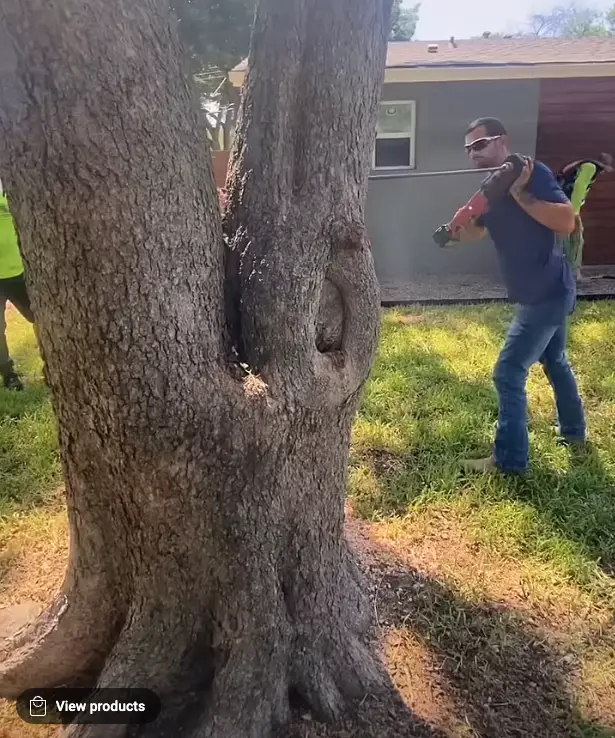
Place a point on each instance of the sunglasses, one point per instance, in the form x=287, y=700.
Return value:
x=480, y=144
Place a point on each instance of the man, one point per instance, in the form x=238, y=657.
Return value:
x=523, y=226
x=576, y=179
x=13, y=288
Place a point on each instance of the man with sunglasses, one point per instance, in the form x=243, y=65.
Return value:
x=523, y=227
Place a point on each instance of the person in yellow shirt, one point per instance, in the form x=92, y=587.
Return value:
x=12, y=289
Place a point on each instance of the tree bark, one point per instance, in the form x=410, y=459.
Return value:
x=204, y=440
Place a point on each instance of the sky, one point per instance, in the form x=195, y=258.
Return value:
x=440, y=19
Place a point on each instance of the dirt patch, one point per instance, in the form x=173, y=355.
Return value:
x=382, y=463
x=415, y=673
x=33, y=555
x=472, y=649
x=12, y=726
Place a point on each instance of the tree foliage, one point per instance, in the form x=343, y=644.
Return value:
x=403, y=21
x=216, y=37
x=574, y=20
x=569, y=21
x=215, y=33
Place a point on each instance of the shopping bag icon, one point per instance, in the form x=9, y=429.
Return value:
x=38, y=707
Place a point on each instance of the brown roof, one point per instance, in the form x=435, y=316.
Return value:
x=498, y=52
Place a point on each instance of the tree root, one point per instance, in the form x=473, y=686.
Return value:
x=166, y=650
x=334, y=671
x=66, y=645
x=249, y=696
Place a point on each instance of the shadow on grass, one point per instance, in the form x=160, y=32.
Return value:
x=449, y=418
x=503, y=678
x=382, y=716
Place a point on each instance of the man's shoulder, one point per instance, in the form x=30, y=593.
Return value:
x=544, y=185
x=542, y=169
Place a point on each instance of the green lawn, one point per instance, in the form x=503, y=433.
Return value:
x=430, y=402
x=29, y=468
x=509, y=590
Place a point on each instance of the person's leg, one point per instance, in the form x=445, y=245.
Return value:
x=15, y=291
x=559, y=373
x=572, y=246
x=527, y=339
x=528, y=336
x=6, y=365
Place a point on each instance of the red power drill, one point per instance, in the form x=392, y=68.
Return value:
x=495, y=186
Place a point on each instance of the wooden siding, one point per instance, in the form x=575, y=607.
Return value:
x=576, y=119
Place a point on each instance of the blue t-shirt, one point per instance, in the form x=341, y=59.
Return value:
x=533, y=266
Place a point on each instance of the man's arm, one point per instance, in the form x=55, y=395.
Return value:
x=544, y=201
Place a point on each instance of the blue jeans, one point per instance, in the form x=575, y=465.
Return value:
x=537, y=333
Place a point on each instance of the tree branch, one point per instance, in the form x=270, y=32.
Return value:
x=100, y=143
x=299, y=167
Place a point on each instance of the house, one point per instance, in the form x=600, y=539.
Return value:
x=557, y=99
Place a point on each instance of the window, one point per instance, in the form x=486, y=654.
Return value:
x=395, y=130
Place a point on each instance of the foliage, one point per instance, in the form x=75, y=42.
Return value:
x=403, y=21
x=574, y=20
x=569, y=21
x=216, y=36
x=215, y=33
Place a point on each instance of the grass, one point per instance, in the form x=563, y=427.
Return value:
x=495, y=598
x=29, y=467
x=518, y=598
x=430, y=402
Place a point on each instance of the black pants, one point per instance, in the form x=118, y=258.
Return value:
x=13, y=289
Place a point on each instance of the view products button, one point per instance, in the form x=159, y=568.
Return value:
x=103, y=706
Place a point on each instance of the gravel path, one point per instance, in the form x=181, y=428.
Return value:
x=426, y=288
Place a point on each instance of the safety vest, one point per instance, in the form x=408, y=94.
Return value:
x=11, y=264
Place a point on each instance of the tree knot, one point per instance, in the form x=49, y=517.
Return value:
x=348, y=235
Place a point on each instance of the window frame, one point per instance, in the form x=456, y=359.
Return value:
x=411, y=135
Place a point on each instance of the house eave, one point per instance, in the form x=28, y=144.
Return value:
x=455, y=72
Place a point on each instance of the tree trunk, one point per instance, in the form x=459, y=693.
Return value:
x=204, y=449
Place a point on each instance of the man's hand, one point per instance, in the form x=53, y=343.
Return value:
x=556, y=216
x=521, y=182
x=470, y=232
